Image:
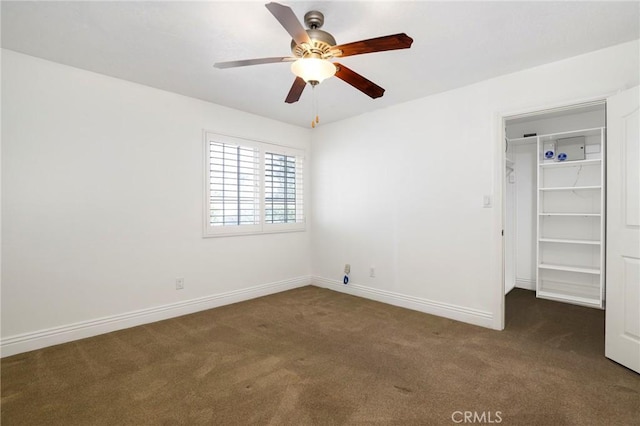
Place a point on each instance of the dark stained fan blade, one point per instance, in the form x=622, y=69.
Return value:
x=296, y=91
x=379, y=44
x=244, y=63
x=288, y=20
x=359, y=82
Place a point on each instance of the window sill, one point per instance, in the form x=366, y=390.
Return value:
x=267, y=231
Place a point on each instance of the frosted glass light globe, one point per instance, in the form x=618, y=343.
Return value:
x=313, y=69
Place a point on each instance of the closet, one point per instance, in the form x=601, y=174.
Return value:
x=554, y=204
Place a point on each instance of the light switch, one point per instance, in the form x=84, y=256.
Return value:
x=486, y=201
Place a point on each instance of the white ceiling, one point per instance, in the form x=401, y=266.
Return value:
x=173, y=45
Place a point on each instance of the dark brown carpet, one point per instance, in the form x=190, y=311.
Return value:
x=313, y=356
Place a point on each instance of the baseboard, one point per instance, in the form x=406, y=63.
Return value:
x=455, y=312
x=53, y=336
x=525, y=283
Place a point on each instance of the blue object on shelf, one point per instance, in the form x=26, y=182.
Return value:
x=548, y=154
x=562, y=156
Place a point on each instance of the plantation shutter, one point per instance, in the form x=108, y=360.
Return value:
x=283, y=188
x=234, y=177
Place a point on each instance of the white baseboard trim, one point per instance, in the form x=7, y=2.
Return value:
x=25, y=342
x=526, y=283
x=447, y=310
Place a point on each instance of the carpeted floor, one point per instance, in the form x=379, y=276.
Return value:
x=314, y=356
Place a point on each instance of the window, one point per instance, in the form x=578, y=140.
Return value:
x=235, y=185
x=283, y=188
x=252, y=187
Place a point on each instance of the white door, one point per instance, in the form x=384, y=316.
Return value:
x=622, y=333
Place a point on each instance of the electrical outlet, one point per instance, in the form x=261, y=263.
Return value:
x=179, y=283
x=347, y=269
x=372, y=271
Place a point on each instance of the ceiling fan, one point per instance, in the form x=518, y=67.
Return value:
x=313, y=48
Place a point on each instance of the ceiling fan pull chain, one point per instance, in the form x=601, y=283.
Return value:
x=313, y=107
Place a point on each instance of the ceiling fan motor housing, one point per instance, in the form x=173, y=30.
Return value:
x=322, y=41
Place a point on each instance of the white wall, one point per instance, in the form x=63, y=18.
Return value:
x=402, y=188
x=510, y=223
x=526, y=215
x=102, y=184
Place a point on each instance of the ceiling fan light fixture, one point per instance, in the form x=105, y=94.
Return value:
x=313, y=70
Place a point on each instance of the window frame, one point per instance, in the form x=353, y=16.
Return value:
x=262, y=227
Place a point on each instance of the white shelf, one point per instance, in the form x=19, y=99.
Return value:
x=580, y=300
x=594, y=271
x=569, y=241
x=596, y=131
x=575, y=163
x=571, y=214
x=570, y=188
x=528, y=139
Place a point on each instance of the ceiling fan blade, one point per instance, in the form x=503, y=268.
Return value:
x=379, y=44
x=296, y=90
x=244, y=63
x=289, y=21
x=359, y=82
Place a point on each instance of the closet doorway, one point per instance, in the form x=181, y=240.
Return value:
x=554, y=197
x=566, y=225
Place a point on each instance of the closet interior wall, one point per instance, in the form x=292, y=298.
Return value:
x=521, y=177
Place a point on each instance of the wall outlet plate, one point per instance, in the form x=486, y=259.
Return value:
x=179, y=283
x=347, y=268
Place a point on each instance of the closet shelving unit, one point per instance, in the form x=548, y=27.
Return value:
x=571, y=222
